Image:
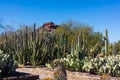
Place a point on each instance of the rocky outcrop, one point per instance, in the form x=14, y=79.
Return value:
x=49, y=26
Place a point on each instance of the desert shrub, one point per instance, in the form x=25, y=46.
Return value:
x=7, y=64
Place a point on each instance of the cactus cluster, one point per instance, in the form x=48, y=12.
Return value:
x=7, y=64
x=103, y=65
x=36, y=47
x=72, y=63
x=109, y=65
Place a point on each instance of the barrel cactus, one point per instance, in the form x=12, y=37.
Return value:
x=7, y=64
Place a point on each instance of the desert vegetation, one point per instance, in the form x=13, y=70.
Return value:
x=76, y=45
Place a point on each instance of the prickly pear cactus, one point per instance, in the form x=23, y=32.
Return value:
x=7, y=64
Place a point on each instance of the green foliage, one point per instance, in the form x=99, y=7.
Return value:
x=103, y=65
x=36, y=47
x=74, y=43
x=116, y=48
x=7, y=64
x=109, y=65
x=72, y=63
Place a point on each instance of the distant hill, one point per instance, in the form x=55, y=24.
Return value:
x=48, y=26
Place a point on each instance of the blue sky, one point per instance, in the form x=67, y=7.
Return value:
x=100, y=14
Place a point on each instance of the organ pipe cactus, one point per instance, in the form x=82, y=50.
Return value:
x=38, y=47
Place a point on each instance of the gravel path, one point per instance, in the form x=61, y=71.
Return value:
x=45, y=72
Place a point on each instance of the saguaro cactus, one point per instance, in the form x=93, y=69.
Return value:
x=106, y=41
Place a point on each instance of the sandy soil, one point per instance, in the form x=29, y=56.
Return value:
x=45, y=72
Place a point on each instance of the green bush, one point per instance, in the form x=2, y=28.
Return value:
x=7, y=64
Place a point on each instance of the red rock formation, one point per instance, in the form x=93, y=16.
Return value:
x=49, y=26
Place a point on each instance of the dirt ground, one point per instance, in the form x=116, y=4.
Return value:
x=45, y=72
